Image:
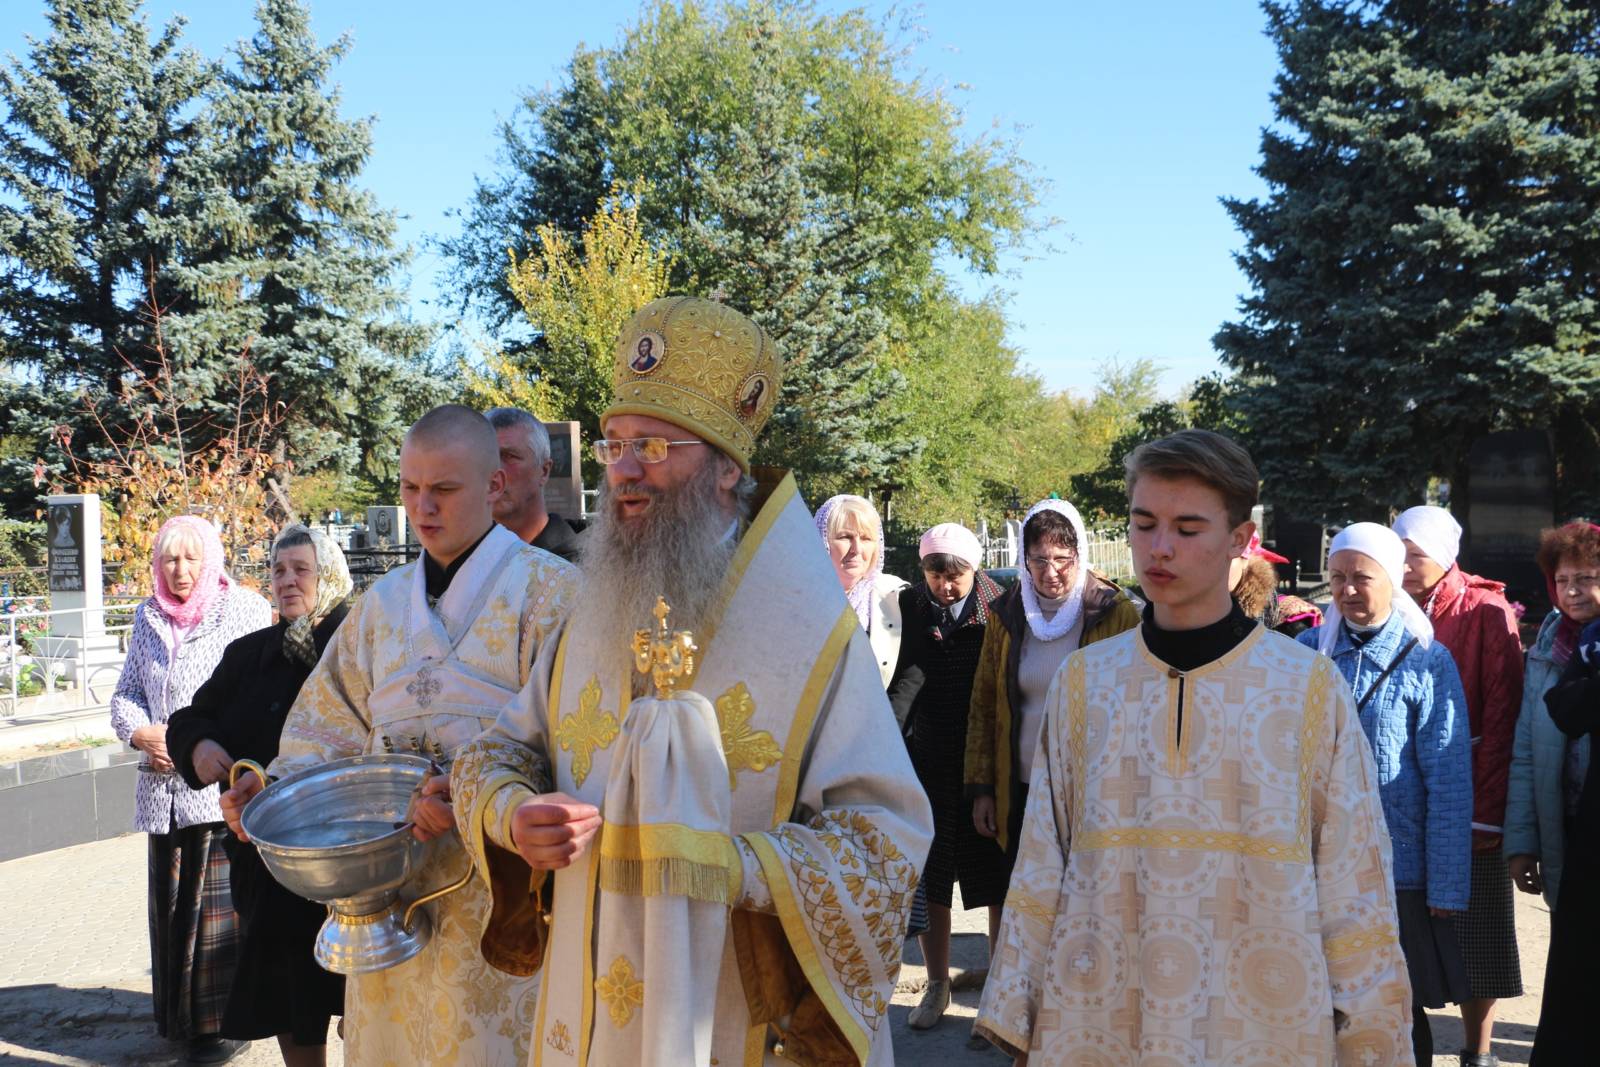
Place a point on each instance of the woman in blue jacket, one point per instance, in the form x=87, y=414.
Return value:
x=1414, y=714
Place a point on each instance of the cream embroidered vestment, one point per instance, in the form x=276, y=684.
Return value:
x=830, y=824
x=1206, y=888
x=432, y=678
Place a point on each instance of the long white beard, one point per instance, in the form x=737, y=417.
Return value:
x=676, y=549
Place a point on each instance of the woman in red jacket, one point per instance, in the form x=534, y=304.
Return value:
x=1472, y=618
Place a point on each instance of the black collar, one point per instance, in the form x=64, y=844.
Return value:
x=437, y=579
x=1188, y=649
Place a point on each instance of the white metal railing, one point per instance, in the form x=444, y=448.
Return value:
x=1106, y=552
x=90, y=649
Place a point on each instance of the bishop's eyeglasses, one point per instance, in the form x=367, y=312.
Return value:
x=645, y=449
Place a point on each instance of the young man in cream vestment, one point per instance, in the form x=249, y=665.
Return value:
x=424, y=662
x=828, y=826
x=1204, y=875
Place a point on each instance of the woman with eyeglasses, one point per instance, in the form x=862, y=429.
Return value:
x=1573, y=704
x=1057, y=606
x=1547, y=766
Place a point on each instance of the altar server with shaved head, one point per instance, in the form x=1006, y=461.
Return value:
x=423, y=663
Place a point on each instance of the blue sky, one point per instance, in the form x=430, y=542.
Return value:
x=1139, y=115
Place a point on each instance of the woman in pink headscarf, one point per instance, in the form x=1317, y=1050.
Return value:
x=178, y=637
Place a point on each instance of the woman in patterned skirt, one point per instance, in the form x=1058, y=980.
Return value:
x=179, y=633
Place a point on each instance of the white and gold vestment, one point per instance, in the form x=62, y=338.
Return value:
x=403, y=674
x=1204, y=887
x=831, y=824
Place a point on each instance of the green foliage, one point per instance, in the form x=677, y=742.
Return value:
x=296, y=257
x=93, y=118
x=1101, y=493
x=134, y=173
x=772, y=240
x=1422, y=269
x=577, y=295
x=794, y=169
x=314, y=495
x=22, y=557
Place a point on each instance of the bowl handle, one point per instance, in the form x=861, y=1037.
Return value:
x=246, y=765
x=460, y=883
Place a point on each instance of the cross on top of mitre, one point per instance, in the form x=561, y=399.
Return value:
x=668, y=656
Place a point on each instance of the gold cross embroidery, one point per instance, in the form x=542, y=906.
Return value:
x=586, y=730
x=745, y=749
x=621, y=991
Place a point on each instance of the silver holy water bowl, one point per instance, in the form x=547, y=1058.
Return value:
x=339, y=834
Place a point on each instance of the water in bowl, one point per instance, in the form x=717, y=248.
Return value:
x=335, y=833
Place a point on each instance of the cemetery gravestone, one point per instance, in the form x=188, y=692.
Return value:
x=1512, y=498
x=563, y=493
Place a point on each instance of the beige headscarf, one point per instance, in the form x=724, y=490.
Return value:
x=333, y=585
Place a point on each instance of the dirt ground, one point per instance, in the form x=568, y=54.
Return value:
x=75, y=973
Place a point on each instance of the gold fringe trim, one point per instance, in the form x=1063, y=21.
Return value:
x=670, y=877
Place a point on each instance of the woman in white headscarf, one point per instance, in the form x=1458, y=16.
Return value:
x=1472, y=618
x=853, y=534
x=1414, y=714
x=1058, y=605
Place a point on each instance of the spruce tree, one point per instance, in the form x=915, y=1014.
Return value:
x=1423, y=269
x=94, y=118
x=293, y=257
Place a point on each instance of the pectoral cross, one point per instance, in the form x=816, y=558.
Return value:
x=668, y=657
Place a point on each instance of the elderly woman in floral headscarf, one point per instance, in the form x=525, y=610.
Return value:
x=178, y=637
x=278, y=989
x=853, y=535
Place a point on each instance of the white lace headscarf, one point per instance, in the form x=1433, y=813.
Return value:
x=1384, y=547
x=1067, y=616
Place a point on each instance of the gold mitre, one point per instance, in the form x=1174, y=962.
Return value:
x=700, y=365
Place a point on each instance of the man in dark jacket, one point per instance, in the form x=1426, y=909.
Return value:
x=525, y=457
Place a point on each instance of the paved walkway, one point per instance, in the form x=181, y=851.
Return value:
x=75, y=972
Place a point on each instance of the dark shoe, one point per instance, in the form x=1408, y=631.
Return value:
x=213, y=1049
x=977, y=1042
x=1479, y=1059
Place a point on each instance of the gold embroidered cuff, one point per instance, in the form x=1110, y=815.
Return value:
x=497, y=814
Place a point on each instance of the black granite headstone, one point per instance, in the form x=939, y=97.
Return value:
x=65, y=542
x=1512, y=498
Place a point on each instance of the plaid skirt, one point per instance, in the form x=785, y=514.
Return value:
x=193, y=932
x=1487, y=931
x=1433, y=959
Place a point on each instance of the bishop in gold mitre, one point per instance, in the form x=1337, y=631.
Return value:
x=826, y=826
